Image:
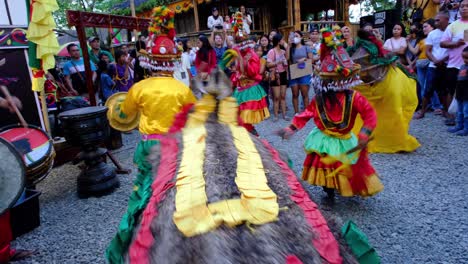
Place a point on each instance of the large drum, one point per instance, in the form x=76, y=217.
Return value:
x=85, y=126
x=35, y=148
x=12, y=175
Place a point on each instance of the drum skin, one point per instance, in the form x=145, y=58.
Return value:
x=85, y=126
x=12, y=175
x=35, y=148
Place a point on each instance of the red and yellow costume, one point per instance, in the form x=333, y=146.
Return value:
x=249, y=94
x=336, y=158
x=156, y=100
x=334, y=125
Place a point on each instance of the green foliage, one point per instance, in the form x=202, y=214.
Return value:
x=378, y=5
x=106, y=6
x=145, y=6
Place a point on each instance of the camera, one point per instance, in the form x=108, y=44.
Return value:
x=219, y=27
x=451, y=4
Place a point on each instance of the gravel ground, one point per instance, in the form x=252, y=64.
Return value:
x=420, y=217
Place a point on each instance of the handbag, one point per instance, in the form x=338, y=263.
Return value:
x=299, y=70
x=418, y=13
x=453, y=107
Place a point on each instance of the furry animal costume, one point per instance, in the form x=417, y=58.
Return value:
x=201, y=172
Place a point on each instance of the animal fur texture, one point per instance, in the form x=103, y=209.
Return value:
x=269, y=243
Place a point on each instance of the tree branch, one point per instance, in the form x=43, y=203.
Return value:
x=64, y=32
x=83, y=4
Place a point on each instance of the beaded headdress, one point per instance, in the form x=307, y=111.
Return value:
x=337, y=69
x=161, y=53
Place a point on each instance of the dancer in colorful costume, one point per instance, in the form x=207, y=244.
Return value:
x=392, y=93
x=221, y=195
x=336, y=159
x=246, y=79
x=156, y=100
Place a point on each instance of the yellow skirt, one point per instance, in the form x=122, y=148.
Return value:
x=395, y=100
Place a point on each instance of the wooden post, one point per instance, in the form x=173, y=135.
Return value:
x=297, y=14
x=132, y=8
x=195, y=11
x=290, y=13
x=80, y=30
x=346, y=12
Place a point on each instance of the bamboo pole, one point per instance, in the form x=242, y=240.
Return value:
x=132, y=9
x=45, y=113
x=195, y=11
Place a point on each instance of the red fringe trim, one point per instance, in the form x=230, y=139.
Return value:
x=325, y=243
x=139, y=250
x=180, y=119
x=5, y=238
x=360, y=171
x=292, y=259
x=254, y=105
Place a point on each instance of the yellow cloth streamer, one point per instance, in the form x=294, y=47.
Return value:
x=41, y=32
x=228, y=110
x=203, y=109
x=257, y=204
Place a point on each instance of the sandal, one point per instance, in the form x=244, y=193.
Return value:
x=286, y=118
x=418, y=115
x=438, y=111
x=20, y=254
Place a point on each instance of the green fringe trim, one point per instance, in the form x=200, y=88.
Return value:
x=138, y=200
x=359, y=244
x=254, y=93
x=374, y=55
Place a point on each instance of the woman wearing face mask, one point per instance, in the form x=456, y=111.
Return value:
x=300, y=54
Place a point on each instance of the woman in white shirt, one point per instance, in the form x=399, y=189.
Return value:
x=215, y=21
x=397, y=44
x=183, y=74
x=247, y=19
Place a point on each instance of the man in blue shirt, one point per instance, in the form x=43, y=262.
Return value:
x=74, y=71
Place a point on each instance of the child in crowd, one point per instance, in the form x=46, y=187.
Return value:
x=461, y=95
x=106, y=82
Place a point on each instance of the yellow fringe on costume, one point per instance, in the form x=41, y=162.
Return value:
x=257, y=204
x=395, y=100
x=254, y=116
x=340, y=182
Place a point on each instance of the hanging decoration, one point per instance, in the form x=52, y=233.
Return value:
x=43, y=43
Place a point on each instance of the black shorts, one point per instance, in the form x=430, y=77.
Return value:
x=451, y=76
x=283, y=80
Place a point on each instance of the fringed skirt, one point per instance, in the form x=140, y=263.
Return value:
x=326, y=165
x=138, y=200
x=252, y=104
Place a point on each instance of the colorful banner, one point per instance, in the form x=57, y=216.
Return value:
x=13, y=38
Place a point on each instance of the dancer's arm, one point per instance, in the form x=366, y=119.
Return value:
x=368, y=115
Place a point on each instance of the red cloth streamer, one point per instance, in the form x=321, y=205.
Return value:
x=325, y=243
x=292, y=259
x=5, y=237
x=180, y=119
x=139, y=250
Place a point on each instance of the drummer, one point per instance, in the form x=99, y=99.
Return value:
x=6, y=252
x=9, y=105
x=158, y=99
